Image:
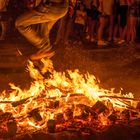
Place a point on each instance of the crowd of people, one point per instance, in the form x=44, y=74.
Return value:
x=99, y=21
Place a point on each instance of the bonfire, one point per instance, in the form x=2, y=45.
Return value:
x=63, y=101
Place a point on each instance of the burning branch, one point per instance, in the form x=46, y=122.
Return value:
x=119, y=97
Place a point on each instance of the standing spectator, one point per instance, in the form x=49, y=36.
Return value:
x=3, y=18
x=80, y=19
x=110, y=16
x=116, y=34
x=106, y=9
x=123, y=11
x=94, y=14
x=66, y=25
x=133, y=14
x=87, y=4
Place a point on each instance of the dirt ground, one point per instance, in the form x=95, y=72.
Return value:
x=114, y=66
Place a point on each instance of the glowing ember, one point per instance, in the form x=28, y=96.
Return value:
x=63, y=100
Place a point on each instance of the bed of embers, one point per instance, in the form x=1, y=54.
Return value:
x=71, y=102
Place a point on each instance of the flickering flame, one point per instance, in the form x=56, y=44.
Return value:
x=49, y=96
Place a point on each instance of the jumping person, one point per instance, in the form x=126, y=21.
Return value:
x=35, y=25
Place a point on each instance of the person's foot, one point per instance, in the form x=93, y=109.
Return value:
x=87, y=37
x=42, y=54
x=131, y=43
x=92, y=39
x=109, y=39
x=102, y=43
x=115, y=39
x=121, y=41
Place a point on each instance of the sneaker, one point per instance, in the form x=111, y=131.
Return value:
x=102, y=43
x=121, y=41
x=42, y=54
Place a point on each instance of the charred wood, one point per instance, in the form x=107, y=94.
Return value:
x=35, y=115
x=51, y=125
x=99, y=107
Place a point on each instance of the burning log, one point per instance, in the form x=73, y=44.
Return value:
x=125, y=114
x=68, y=113
x=113, y=118
x=51, y=125
x=99, y=107
x=84, y=111
x=59, y=118
x=53, y=104
x=11, y=128
x=16, y=103
x=6, y=117
x=118, y=97
x=23, y=101
x=134, y=114
x=34, y=114
x=138, y=106
x=8, y=124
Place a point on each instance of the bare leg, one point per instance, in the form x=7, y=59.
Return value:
x=4, y=29
x=133, y=28
x=111, y=25
x=101, y=27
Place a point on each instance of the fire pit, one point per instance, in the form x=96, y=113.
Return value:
x=67, y=104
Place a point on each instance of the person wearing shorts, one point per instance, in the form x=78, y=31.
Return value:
x=123, y=14
x=133, y=13
x=106, y=9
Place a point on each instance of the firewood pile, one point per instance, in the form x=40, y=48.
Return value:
x=78, y=119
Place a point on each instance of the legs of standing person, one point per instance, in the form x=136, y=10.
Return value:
x=3, y=25
x=79, y=32
x=88, y=27
x=61, y=30
x=123, y=23
x=132, y=29
x=92, y=30
x=111, y=27
x=116, y=34
x=68, y=30
x=102, y=22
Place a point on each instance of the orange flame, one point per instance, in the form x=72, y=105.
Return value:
x=33, y=107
